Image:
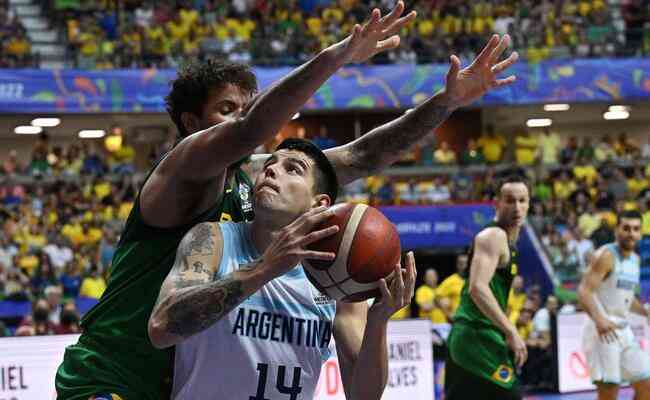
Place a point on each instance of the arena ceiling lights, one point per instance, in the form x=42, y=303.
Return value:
x=28, y=130
x=617, y=112
x=92, y=133
x=556, y=107
x=46, y=122
x=539, y=122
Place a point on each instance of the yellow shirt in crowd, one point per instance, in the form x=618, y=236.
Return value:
x=492, y=147
x=451, y=288
x=425, y=295
x=526, y=150
x=516, y=301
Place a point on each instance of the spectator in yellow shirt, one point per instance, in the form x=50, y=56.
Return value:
x=549, y=144
x=444, y=155
x=18, y=46
x=526, y=149
x=564, y=187
x=637, y=183
x=177, y=30
x=492, y=145
x=451, y=288
x=425, y=298
x=517, y=296
x=585, y=171
x=94, y=285
x=523, y=320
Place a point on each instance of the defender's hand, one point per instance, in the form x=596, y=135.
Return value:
x=469, y=84
x=377, y=35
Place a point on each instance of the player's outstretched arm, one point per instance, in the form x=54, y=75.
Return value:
x=197, y=165
x=195, y=295
x=488, y=253
x=386, y=144
x=600, y=267
x=360, y=335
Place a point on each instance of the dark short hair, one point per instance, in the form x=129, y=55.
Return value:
x=512, y=178
x=195, y=80
x=629, y=214
x=326, y=181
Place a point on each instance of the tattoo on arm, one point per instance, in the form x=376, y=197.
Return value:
x=197, y=308
x=386, y=144
x=197, y=305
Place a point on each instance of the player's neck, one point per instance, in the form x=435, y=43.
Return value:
x=263, y=233
x=511, y=231
x=624, y=253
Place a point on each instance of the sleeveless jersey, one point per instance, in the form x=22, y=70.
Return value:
x=616, y=293
x=269, y=347
x=467, y=311
x=114, y=353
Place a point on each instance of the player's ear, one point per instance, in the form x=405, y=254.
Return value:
x=322, y=200
x=190, y=122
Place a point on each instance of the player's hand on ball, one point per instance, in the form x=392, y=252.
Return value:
x=464, y=86
x=518, y=347
x=377, y=35
x=400, y=292
x=607, y=330
x=289, y=248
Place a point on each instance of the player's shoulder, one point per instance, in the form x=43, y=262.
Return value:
x=605, y=255
x=492, y=235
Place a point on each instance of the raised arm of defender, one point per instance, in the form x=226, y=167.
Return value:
x=490, y=250
x=194, y=296
x=195, y=169
x=386, y=144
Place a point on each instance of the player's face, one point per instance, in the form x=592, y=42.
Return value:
x=286, y=183
x=513, y=203
x=223, y=104
x=628, y=233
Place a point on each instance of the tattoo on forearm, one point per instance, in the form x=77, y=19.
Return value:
x=386, y=144
x=200, y=307
x=201, y=304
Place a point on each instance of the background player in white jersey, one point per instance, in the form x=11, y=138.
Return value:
x=608, y=294
x=246, y=322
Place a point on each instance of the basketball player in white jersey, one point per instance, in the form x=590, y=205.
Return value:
x=608, y=294
x=246, y=322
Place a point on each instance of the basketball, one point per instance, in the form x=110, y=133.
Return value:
x=367, y=249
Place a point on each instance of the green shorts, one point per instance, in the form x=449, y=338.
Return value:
x=482, y=351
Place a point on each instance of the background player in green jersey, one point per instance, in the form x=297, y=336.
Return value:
x=483, y=341
x=222, y=120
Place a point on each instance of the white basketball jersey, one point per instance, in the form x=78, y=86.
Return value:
x=618, y=290
x=270, y=347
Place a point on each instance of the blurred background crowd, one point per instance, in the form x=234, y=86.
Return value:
x=144, y=33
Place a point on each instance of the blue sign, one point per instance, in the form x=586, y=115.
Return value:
x=383, y=86
x=438, y=226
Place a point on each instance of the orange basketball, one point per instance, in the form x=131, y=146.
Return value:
x=367, y=249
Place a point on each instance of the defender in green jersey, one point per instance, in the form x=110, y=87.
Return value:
x=220, y=121
x=483, y=341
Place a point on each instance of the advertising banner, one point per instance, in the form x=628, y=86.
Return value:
x=573, y=370
x=355, y=86
x=28, y=365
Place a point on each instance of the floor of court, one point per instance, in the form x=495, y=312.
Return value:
x=624, y=394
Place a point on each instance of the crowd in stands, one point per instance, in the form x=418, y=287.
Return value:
x=59, y=228
x=15, y=46
x=144, y=33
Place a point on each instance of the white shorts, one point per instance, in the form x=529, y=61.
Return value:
x=622, y=361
